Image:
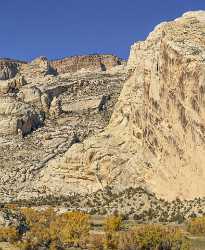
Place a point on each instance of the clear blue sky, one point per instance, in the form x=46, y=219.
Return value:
x=58, y=28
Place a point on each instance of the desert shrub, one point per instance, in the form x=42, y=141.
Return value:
x=193, y=215
x=46, y=228
x=38, y=235
x=71, y=228
x=38, y=228
x=113, y=223
x=43, y=217
x=111, y=226
x=159, y=237
x=179, y=218
x=96, y=242
x=25, y=245
x=11, y=206
x=196, y=225
x=9, y=234
x=126, y=241
x=142, y=237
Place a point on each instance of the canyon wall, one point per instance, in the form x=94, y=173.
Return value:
x=90, y=62
x=9, y=68
x=155, y=137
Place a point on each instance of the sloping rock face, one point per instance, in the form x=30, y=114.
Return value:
x=91, y=62
x=155, y=138
x=36, y=70
x=42, y=114
x=9, y=68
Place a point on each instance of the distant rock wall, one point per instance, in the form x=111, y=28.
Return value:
x=9, y=68
x=90, y=62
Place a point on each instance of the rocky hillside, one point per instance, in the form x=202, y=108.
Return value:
x=43, y=112
x=86, y=123
x=155, y=138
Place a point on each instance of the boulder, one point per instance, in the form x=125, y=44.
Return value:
x=16, y=115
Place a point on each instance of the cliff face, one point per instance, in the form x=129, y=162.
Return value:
x=91, y=62
x=37, y=84
x=43, y=113
x=156, y=134
x=9, y=68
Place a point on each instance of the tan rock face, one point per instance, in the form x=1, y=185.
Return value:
x=9, y=68
x=42, y=114
x=92, y=62
x=36, y=70
x=17, y=117
x=12, y=85
x=156, y=134
x=55, y=108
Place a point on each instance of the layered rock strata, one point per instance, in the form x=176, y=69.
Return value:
x=90, y=63
x=155, y=138
x=9, y=68
x=42, y=114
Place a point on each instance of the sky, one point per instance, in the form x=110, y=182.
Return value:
x=60, y=28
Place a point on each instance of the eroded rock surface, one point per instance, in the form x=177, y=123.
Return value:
x=155, y=138
x=42, y=114
x=9, y=68
x=83, y=63
x=53, y=135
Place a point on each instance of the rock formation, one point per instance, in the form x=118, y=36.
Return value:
x=92, y=62
x=9, y=68
x=68, y=125
x=43, y=113
x=17, y=117
x=55, y=107
x=155, y=138
x=12, y=85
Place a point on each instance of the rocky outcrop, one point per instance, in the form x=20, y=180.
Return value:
x=86, y=63
x=12, y=85
x=55, y=108
x=155, y=138
x=43, y=117
x=9, y=68
x=17, y=117
x=36, y=70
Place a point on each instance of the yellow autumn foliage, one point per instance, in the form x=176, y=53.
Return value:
x=48, y=228
x=112, y=223
x=196, y=225
x=9, y=234
x=157, y=236
x=71, y=228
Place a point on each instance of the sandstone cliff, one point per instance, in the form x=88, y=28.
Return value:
x=43, y=113
x=155, y=138
x=92, y=62
x=9, y=68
